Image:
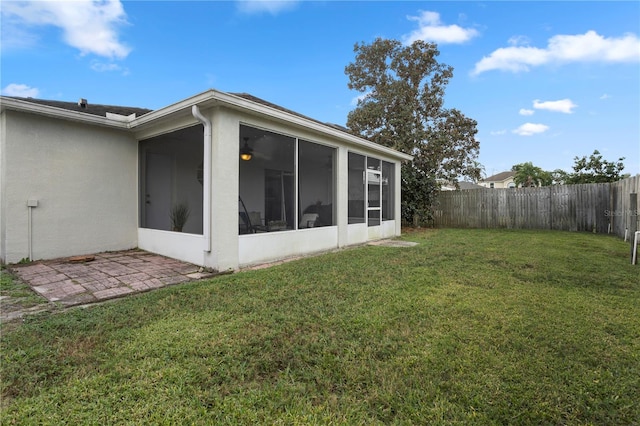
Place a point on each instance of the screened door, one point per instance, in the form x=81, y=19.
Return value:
x=374, y=197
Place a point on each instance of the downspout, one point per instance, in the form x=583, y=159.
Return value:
x=206, y=177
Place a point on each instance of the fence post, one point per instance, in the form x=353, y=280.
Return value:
x=633, y=219
x=550, y=206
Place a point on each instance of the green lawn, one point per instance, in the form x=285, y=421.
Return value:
x=468, y=327
x=17, y=293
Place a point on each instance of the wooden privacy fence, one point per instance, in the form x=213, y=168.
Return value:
x=598, y=207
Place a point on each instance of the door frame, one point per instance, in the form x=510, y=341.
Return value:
x=374, y=178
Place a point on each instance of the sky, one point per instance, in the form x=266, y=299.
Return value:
x=546, y=81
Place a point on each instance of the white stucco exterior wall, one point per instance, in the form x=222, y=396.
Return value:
x=84, y=178
x=3, y=139
x=342, y=196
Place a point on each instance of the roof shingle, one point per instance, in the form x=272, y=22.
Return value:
x=97, y=109
x=499, y=177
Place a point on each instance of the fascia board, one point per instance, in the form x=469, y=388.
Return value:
x=60, y=113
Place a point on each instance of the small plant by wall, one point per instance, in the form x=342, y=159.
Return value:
x=179, y=215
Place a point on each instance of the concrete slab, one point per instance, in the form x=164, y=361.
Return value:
x=393, y=243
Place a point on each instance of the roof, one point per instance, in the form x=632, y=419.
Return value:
x=278, y=107
x=449, y=186
x=93, y=109
x=499, y=177
x=146, y=119
x=469, y=185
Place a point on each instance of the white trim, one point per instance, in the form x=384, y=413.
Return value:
x=61, y=113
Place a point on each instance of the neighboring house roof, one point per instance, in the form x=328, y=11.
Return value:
x=470, y=185
x=448, y=186
x=97, y=109
x=97, y=115
x=500, y=177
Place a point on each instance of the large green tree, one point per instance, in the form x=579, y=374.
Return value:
x=402, y=107
x=594, y=169
x=527, y=175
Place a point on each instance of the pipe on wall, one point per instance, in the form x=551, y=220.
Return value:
x=30, y=236
x=206, y=180
x=31, y=204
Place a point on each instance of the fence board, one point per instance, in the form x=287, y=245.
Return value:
x=602, y=207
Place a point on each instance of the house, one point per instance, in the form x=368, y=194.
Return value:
x=462, y=185
x=500, y=180
x=255, y=182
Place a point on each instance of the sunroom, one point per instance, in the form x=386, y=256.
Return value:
x=280, y=185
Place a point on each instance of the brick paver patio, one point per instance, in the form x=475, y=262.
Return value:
x=77, y=281
x=74, y=281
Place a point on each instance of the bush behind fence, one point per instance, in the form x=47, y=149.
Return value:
x=598, y=207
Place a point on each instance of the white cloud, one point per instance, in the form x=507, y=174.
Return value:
x=497, y=132
x=529, y=129
x=270, y=6
x=563, y=105
x=430, y=28
x=20, y=90
x=89, y=26
x=605, y=96
x=587, y=47
x=513, y=59
x=519, y=40
x=593, y=47
x=524, y=111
